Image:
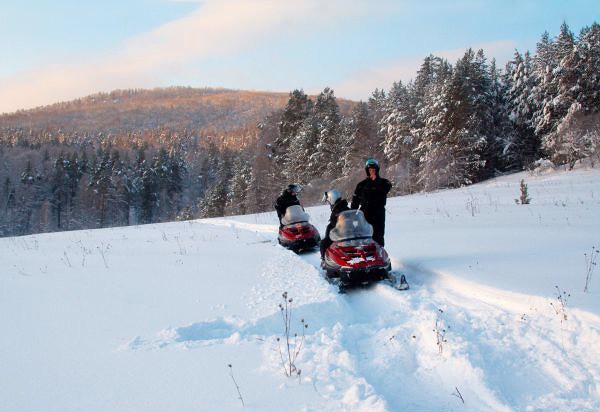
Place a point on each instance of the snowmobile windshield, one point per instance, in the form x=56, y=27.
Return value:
x=351, y=224
x=294, y=214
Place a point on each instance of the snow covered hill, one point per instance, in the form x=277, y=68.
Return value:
x=180, y=316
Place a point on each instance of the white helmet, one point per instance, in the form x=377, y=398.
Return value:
x=331, y=196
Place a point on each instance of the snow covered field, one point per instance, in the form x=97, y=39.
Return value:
x=149, y=318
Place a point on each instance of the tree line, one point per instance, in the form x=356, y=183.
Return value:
x=452, y=125
x=458, y=124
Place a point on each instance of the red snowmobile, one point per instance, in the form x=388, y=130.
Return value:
x=355, y=259
x=296, y=233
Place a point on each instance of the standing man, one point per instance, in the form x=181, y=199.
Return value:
x=370, y=195
x=288, y=197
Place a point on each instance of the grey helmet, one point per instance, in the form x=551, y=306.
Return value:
x=294, y=188
x=331, y=196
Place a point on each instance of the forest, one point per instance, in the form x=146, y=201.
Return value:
x=130, y=157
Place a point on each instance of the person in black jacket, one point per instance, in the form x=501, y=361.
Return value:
x=338, y=205
x=370, y=196
x=288, y=197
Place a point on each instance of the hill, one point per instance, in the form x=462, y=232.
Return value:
x=209, y=110
x=176, y=108
x=182, y=316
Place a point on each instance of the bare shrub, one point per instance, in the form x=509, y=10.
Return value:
x=590, y=264
x=291, y=342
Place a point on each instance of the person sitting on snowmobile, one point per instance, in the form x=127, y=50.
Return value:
x=338, y=205
x=288, y=197
x=370, y=196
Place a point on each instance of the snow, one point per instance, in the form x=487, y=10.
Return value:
x=150, y=317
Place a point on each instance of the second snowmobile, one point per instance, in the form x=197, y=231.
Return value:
x=355, y=259
x=295, y=232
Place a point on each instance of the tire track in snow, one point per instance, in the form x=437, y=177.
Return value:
x=498, y=358
x=389, y=335
x=374, y=348
x=503, y=351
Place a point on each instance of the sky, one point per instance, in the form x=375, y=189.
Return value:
x=58, y=50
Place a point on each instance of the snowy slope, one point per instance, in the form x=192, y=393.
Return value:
x=150, y=317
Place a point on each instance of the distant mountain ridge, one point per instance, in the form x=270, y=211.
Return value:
x=176, y=108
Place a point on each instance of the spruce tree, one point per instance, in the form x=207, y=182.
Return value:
x=396, y=124
x=433, y=112
x=500, y=125
x=544, y=64
x=304, y=164
x=359, y=137
x=329, y=151
x=236, y=203
x=588, y=49
x=214, y=202
x=457, y=124
x=522, y=145
x=297, y=109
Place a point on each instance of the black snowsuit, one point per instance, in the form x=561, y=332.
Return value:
x=339, y=206
x=371, y=196
x=285, y=200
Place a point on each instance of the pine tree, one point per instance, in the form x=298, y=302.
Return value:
x=432, y=86
x=266, y=177
x=396, y=124
x=562, y=142
x=566, y=75
x=59, y=189
x=236, y=203
x=500, y=126
x=103, y=186
x=8, y=205
x=214, y=202
x=588, y=50
x=28, y=175
x=456, y=128
x=472, y=118
x=169, y=168
x=360, y=139
x=430, y=75
x=304, y=161
x=376, y=104
x=297, y=109
x=328, y=154
x=544, y=64
x=522, y=146
x=8, y=195
x=148, y=191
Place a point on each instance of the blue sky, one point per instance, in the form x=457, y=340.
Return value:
x=63, y=49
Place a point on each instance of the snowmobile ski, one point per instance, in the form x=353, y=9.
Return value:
x=398, y=283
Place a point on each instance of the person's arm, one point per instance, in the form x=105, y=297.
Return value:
x=388, y=186
x=331, y=225
x=279, y=206
x=328, y=230
x=356, y=198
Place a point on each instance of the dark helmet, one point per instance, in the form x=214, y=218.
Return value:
x=372, y=163
x=294, y=188
x=331, y=196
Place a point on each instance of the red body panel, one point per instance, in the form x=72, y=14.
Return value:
x=358, y=256
x=299, y=236
x=297, y=231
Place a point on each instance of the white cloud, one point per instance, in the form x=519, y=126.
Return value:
x=218, y=28
x=361, y=84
